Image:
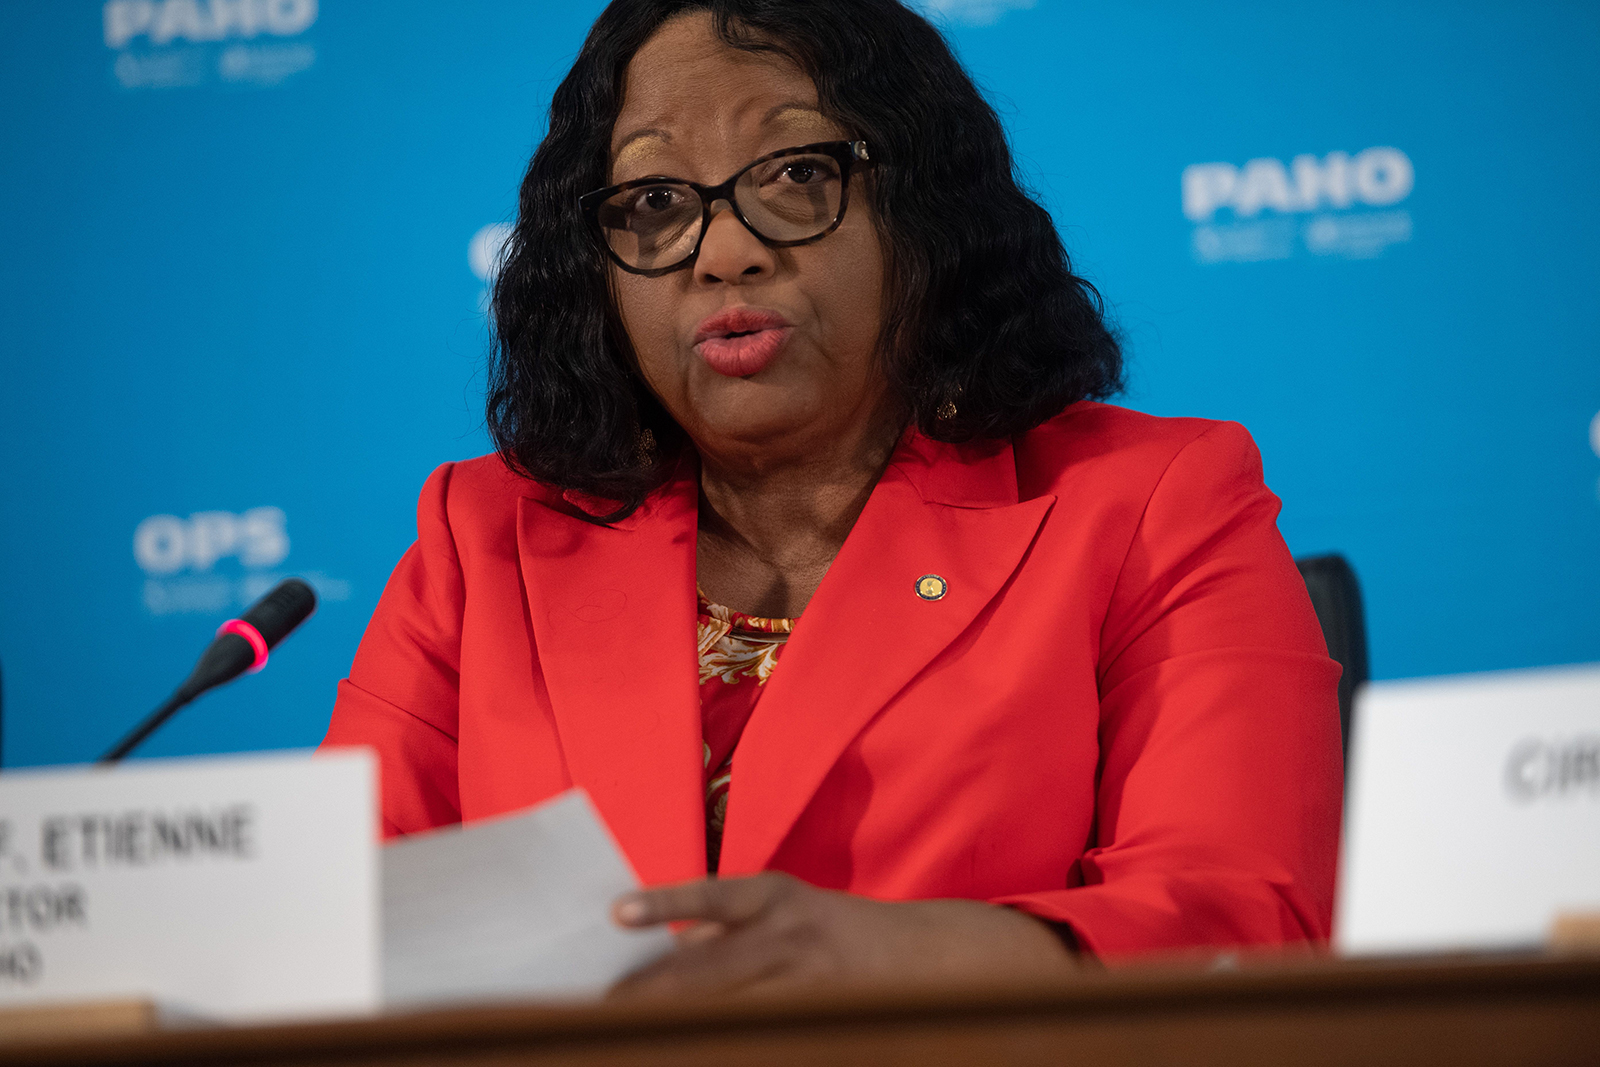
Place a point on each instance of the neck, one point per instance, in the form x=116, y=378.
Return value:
x=770, y=527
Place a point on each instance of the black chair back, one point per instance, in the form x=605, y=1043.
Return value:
x=1336, y=596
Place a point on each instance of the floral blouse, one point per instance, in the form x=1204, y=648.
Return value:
x=738, y=653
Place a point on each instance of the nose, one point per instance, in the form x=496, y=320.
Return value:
x=729, y=252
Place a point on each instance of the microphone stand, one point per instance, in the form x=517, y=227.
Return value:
x=228, y=657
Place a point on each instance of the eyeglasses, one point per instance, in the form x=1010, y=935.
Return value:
x=794, y=196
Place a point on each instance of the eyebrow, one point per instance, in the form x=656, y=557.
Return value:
x=663, y=135
x=790, y=105
x=638, y=135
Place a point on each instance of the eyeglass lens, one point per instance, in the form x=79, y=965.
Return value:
x=790, y=198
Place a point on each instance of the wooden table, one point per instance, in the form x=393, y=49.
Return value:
x=1526, y=1011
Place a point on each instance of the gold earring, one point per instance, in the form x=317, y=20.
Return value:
x=644, y=454
x=947, y=411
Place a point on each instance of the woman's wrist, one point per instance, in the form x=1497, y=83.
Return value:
x=771, y=930
x=982, y=940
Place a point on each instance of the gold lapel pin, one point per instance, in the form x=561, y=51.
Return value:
x=932, y=587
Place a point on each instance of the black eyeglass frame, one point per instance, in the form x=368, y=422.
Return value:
x=846, y=153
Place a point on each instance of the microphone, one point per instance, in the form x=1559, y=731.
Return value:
x=241, y=645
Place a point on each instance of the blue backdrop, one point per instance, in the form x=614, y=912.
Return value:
x=243, y=249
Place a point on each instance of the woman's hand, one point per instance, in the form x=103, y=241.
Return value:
x=771, y=931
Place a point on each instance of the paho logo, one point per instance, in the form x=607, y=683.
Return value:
x=179, y=557
x=485, y=253
x=971, y=12
x=1248, y=213
x=166, y=544
x=1594, y=441
x=167, y=43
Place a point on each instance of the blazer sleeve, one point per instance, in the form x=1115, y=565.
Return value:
x=1218, y=802
x=402, y=694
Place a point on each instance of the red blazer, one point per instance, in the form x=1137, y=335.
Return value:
x=1120, y=716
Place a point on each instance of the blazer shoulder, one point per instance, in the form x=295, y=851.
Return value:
x=1107, y=444
x=473, y=499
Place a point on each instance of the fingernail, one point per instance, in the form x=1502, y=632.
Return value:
x=630, y=910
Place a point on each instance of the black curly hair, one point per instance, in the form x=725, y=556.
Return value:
x=981, y=301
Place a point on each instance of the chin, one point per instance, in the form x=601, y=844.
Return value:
x=758, y=422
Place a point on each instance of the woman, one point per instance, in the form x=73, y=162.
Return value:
x=812, y=555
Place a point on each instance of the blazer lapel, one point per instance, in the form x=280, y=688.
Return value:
x=938, y=510
x=613, y=611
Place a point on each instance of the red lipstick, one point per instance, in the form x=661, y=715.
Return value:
x=741, y=341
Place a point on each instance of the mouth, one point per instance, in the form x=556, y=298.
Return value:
x=741, y=341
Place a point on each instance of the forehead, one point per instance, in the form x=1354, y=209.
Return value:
x=686, y=89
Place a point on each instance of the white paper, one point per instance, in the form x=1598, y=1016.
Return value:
x=1473, y=813
x=234, y=888
x=517, y=906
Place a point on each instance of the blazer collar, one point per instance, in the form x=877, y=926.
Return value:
x=977, y=474
x=613, y=615
x=942, y=510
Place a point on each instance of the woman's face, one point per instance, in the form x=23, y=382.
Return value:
x=808, y=381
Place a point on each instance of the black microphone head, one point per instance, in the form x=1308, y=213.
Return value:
x=281, y=610
x=231, y=653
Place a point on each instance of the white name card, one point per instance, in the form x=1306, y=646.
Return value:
x=229, y=888
x=1472, y=816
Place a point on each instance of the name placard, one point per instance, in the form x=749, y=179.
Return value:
x=229, y=888
x=1473, y=811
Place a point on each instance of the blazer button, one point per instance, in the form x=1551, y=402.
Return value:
x=932, y=587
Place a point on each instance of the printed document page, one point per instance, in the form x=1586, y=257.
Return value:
x=515, y=907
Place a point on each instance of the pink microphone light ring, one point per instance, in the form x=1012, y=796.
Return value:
x=258, y=644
